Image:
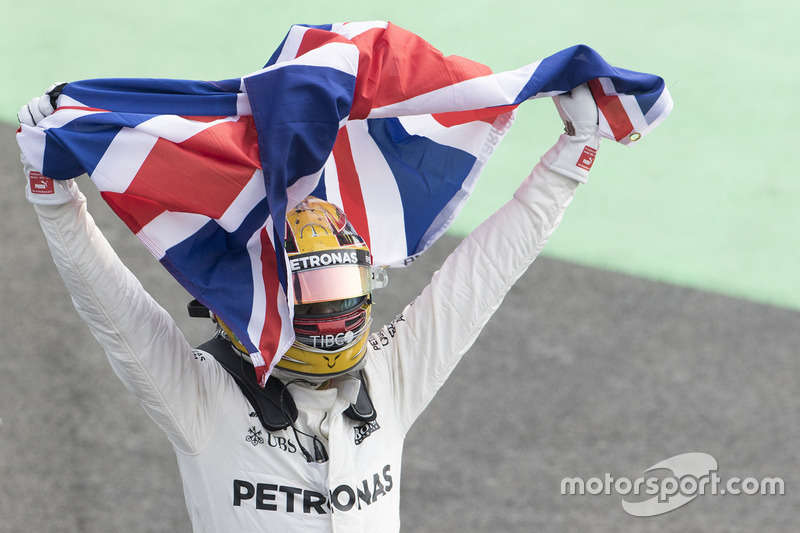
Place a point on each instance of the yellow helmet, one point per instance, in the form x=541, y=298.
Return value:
x=332, y=282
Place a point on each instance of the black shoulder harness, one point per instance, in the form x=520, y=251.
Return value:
x=274, y=404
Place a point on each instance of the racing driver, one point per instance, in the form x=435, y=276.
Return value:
x=337, y=408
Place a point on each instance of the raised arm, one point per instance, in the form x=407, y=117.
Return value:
x=418, y=352
x=143, y=344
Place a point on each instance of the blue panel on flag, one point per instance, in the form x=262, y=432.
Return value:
x=566, y=69
x=297, y=118
x=320, y=191
x=67, y=154
x=232, y=299
x=158, y=96
x=428, y=174
x=647, y=89
x=61, y=159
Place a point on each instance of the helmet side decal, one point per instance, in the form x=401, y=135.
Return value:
x=325, y=258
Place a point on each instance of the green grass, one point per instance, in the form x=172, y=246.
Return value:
x=708, y=200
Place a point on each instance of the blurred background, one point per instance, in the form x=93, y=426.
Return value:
x=662, y=318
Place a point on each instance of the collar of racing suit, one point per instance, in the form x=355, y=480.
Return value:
x=274, y=404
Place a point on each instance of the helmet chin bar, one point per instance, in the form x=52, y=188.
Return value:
x=286, y=374
x=323, y=357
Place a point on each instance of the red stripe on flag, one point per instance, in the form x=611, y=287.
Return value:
x=135, y=212
x=403, y=66
x=456, y=118
x=202, y=174
x=314, y=38
x=611, y=108
x=271, y=332
x=81, y=108
x=350, y=186
x=199, y=118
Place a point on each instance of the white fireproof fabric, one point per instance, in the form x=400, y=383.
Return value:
x=237, y=476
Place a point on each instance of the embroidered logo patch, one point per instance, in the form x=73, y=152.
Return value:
x=41, y=184
x=587, y=158
x=254, y=437
x=362, y=432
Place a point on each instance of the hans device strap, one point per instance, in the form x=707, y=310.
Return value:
x=274, y=404
x=362, y=410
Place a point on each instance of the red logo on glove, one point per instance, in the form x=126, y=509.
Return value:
x=587, y=158
x=41, y=184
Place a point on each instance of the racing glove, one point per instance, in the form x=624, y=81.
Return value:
x=40, y=107
x=575, y=150
x=39, y=189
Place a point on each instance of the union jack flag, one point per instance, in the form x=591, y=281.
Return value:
x=366, y=115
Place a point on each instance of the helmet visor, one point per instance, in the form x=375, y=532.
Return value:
x=333, y=283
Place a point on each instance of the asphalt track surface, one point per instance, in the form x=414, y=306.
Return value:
x=580, y=373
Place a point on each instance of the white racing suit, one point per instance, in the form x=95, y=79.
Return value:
x=239, y=477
